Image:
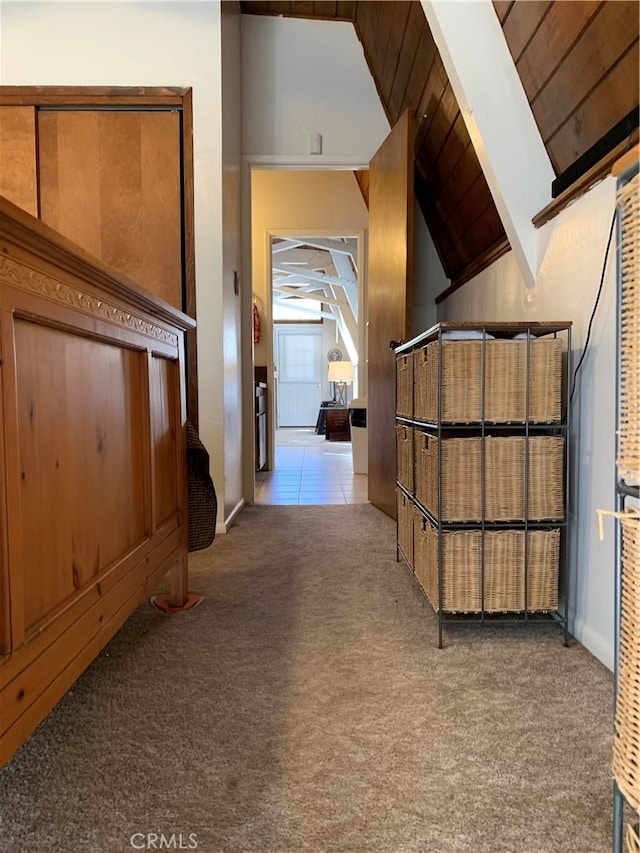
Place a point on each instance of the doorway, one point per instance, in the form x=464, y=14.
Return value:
x=298, y=371
x=315, y=298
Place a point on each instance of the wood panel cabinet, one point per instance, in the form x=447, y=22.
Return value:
x=92, y=452
x=112, y=170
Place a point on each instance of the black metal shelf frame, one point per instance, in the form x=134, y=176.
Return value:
x=484, y=429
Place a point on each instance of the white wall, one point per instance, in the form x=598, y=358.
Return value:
x=571, y=251
x=308, y=76
x=146, y=44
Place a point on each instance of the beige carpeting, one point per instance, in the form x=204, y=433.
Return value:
x=304, y=706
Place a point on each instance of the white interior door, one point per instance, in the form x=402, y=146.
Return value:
x=299, y=371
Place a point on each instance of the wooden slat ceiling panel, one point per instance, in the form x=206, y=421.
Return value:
x=395, y=15
x=420, y=83
x=414, y=29
x=341, y=10
x=579, y=68
x=521, y=23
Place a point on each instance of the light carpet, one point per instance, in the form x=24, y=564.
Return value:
x=305, y=706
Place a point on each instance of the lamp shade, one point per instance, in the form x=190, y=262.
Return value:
x=341, y=371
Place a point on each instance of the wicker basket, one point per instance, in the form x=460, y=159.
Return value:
x=633, y=839
x=629, y=441
x=626, y=747
x=404, y=456
x=404, y=385
x=504, y=574
x=406, y=516
x=504, y=477
x=505, y=391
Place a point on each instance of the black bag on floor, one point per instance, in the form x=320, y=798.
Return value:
x=202, y=500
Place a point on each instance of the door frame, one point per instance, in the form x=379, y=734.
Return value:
x=291, y=329
x=174, y=98
x=359, y=234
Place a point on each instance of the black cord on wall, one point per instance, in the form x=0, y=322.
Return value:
x=595, y=307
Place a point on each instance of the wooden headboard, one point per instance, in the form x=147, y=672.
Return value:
x=92, y=453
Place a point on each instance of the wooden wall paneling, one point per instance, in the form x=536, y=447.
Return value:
x=362, y=179
x=302, y=8
x=417, y=78
x=502, y=8
x=345, y=10
x=434, y=88
x=557, y=33
x=364, y=11
x=18, y=180
x=605, y=106
x=165, y=438
x=425, y=68
x=389, y=297
x=442, y=124
x=324, y=9
x=408, y=50
x=449, y=157
x=380, y=39
x=594, y=63
x=449, y=189
x=396, y=16
x=521, y=24
x=470, y=206
x=124, y=210
x=484, y=231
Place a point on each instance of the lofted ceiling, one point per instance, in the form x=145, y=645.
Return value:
x=578, y=63
x=324, y=271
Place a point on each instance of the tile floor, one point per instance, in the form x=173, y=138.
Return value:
x=310, y=470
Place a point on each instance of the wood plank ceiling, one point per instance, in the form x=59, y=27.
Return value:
x=578, y=63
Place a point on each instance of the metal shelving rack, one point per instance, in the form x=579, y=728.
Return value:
x=625, y=492
x=527, y=429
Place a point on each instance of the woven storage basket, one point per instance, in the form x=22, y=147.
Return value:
x=404, y=385
x=504, y=477
x=406, y=515
x=504, y=569
x=626, y=747
x=505, y=381
x=629, y=441
x=633, y=840
x=404, y=456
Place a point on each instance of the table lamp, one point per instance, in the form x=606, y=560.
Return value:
x=340, y=372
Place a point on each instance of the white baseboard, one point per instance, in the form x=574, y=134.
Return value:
x=594, y=642
x=223, y=527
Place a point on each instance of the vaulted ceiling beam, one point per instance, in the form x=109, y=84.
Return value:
x=502, y=128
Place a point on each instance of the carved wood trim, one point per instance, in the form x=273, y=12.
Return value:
x=20, y=275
